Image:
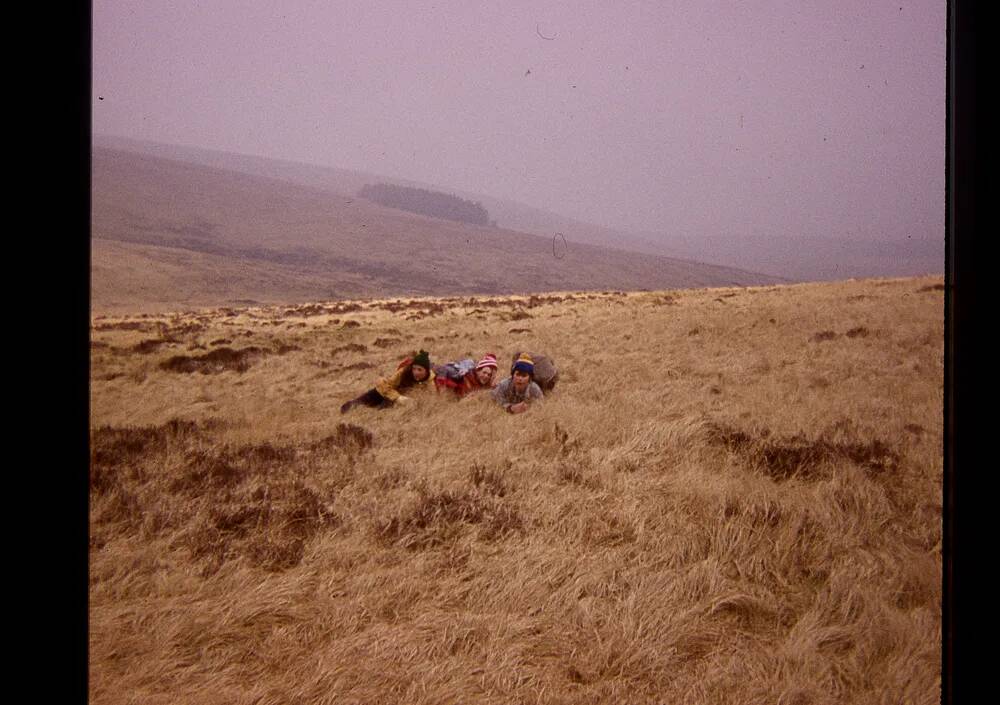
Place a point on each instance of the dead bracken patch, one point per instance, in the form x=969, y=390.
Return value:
x=386, y=342
x=519, y=330
x=214, y=362
x=823, y=335
x=859, y=332
x=931, y=287
x=351, y=324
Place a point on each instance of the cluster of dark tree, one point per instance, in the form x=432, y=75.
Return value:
x=432, y=203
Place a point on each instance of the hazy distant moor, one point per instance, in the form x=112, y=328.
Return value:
x=732, y=496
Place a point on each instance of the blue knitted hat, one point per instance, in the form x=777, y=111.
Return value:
x=523, y=364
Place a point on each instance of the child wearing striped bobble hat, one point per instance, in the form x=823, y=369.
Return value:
x=466, y=376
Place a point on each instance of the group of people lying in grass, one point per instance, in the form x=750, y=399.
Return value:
x=531, y=375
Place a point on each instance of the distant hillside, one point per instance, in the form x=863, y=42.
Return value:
x=173, y=232
x=507, y=214
x=791, y=259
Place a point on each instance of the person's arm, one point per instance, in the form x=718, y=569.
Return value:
x=499, y=394
x=388, y=386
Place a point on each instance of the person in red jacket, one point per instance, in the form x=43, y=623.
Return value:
x=482, y=376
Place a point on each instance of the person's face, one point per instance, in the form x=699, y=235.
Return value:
x=419, y=372
x=521, y=380
x=484, y=375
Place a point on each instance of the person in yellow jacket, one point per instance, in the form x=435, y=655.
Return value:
x=414, y=370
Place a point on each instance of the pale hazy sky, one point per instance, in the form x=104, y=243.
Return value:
x=822, y=118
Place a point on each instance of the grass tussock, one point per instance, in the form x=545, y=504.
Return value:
x=732, y=496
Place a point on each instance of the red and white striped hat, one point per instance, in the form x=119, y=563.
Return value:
x=489, y=360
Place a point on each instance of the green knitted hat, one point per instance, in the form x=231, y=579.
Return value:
x=422, y=358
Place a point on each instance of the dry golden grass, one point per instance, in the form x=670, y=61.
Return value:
x=732, y=496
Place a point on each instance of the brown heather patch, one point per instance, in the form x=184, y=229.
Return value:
x=148, y=346
x=859, y=332
x=224, y=341
x=931, y=287
x=818, y=383
x=348, y=437
x=250, y=502
x=386, y=342
x=420, y=309
x=208, y=470
x=351, y=324
x=308, y=310
x=350, y=347
x=182, y=329
x=575, y=472
x=214, y=362
x=359, y=366
x=126, y=325
x=268, y=527
x=799, y=457
x=823, y=336
x=519, y=330
x=438, y=517
x=112, y=447
x=490, y=480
